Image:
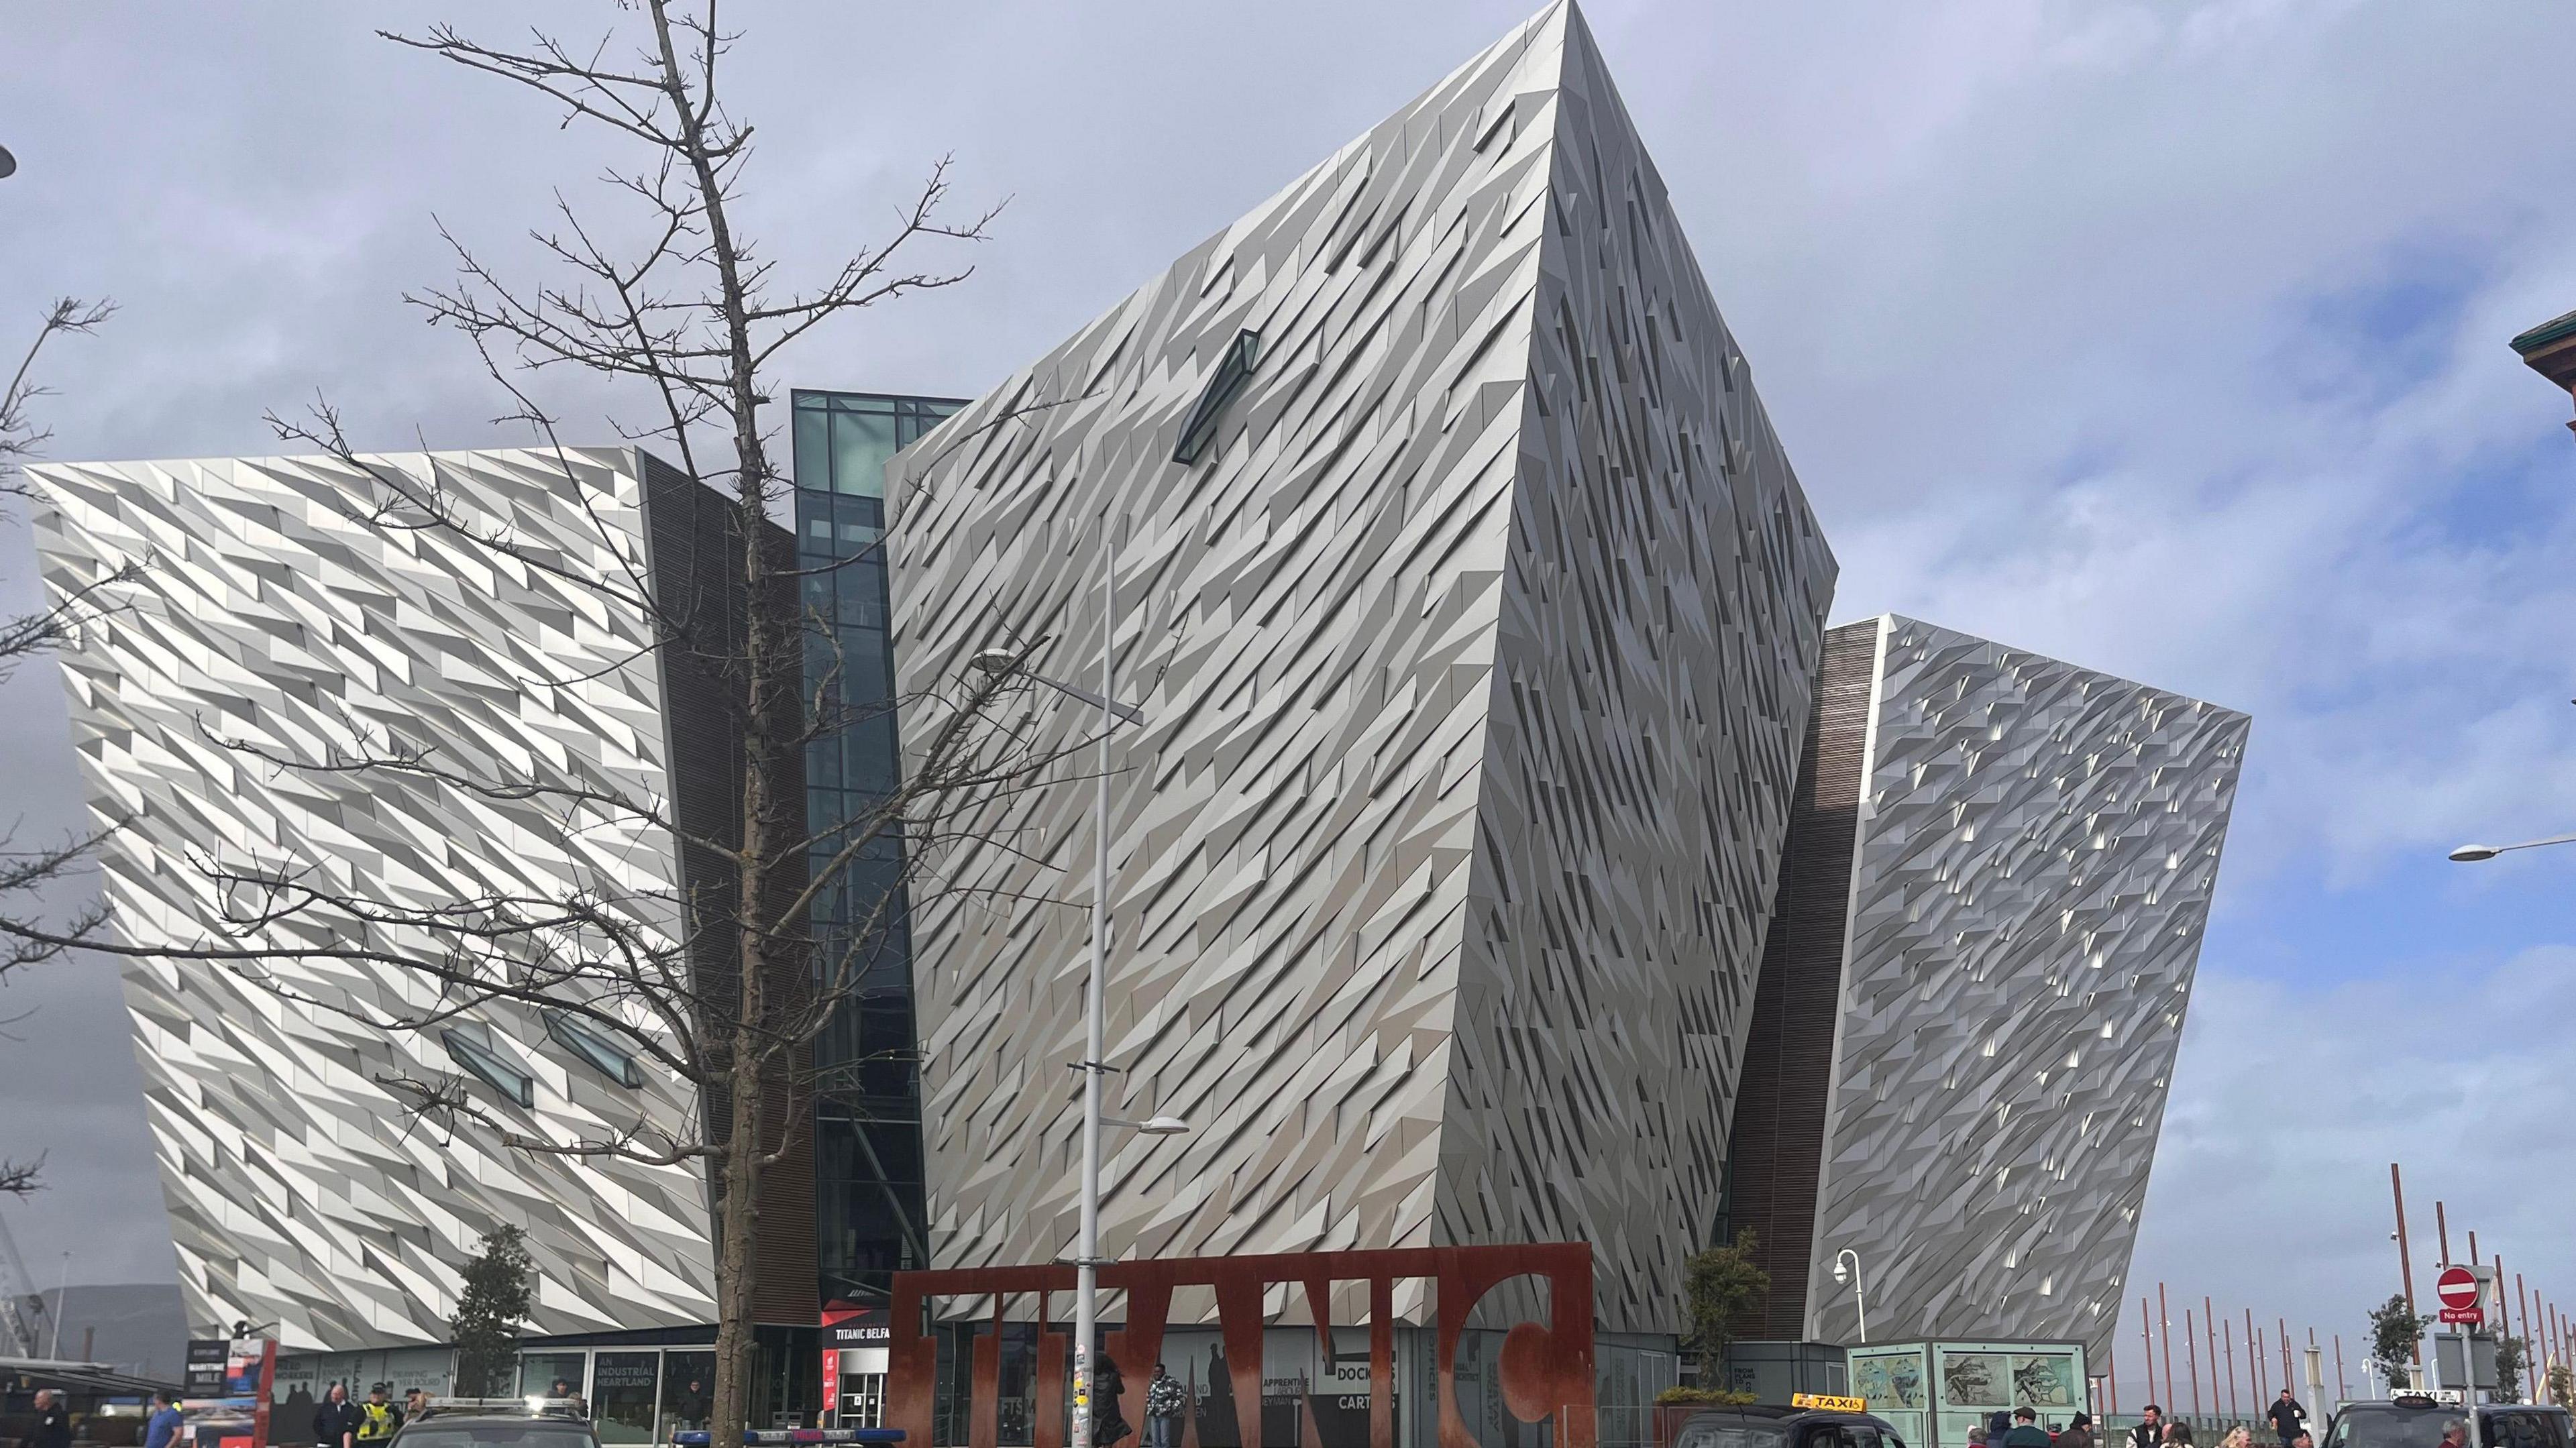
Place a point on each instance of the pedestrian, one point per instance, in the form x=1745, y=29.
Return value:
x=1108, y=1424
x=2287, y=1417
x=1977, y=1436
x=2150, y=1430
x=53, y=1420
x=2455, y=1434
x=1998, y=1426
x=2026, y=1432
x=2178, y=1433
x=2304, y=1440
x=2239, y=1436
x=335, y=1423
x=161, y=1430
x=2079, y=1432
x=1164, y=1403
x=564, y=1392
x=377, y=1416
x=414, y=1401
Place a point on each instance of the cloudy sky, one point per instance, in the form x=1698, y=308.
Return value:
x=2169, y=338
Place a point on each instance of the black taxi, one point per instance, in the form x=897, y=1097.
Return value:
x=1808, y=1421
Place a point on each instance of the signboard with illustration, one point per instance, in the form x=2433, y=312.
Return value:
x=1896, y=1383
x=1939, y=1390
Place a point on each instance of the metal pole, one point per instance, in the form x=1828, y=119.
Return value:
x=2227, y=1339
x=2147, y=1342
x=2191, y=1359
x=1086, y=1300
x=2164, y=1329
x=2522, y=1316
x=2209, y=1329
x=2343, y=1388
x=2405, y=1269
x=2442, y=1231
x=62, y=1295
x=1860, y=1300
x=2289, y=1378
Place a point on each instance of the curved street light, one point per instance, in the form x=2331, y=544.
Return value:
x=2470, y=854
x=1004, y=662
x=1860, y=1303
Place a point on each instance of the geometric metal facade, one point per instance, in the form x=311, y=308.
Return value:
x=300, y=1191
x=2031, y=851
x=1474, y=650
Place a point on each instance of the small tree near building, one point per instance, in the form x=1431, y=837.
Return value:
x=499, y=1294
x=2511, y=1354
x=2394, y=1333
x=1720, y=1286
x=2562, y=1384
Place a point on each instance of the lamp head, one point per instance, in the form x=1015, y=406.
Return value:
x=2467, y=854
x=995, y=661
x=1841, y=1273
x=1164, y=1126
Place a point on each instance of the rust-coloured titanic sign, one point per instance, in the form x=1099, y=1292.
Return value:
x=1546, y=1370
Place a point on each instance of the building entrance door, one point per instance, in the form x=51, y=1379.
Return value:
x=863, y=1399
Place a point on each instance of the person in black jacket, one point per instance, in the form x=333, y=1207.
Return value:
x=1108, y=1424
x=336, y=1422
x=2287, y=1415
x=2150, y=1430
x=53, y=1420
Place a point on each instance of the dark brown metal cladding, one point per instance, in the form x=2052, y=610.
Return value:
x=1776, y=1150
x=1545, y=1370
x=696, y=573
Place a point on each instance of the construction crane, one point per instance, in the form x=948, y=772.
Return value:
x=22, y=1308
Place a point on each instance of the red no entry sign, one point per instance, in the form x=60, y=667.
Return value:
x=2458, y=1287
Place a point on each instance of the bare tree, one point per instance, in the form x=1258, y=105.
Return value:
x=732, y=999
x=27, y=872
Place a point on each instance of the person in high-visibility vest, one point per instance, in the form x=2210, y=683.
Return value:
x=377, y=1417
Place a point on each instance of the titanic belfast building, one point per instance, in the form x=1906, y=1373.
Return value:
x=1504, y=848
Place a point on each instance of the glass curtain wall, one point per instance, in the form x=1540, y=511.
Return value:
x=868, y=1169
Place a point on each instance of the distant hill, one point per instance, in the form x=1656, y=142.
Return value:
x=137, y=1327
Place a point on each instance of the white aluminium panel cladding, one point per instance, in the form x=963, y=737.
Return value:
x=2036, y=848
x=1474, y=654
x=269, y=611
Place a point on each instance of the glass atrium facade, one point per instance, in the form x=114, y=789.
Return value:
x=867, y=1144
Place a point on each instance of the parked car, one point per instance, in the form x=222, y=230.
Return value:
x=1765, y=1425
x=498, y=1423
x=2414, y=1420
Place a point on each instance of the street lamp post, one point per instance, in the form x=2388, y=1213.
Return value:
x=1086, y=1301
x=1860, y=1303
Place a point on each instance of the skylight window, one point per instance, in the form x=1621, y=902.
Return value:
x=593, y=1045
x=1232, y=371
x=469, y=1048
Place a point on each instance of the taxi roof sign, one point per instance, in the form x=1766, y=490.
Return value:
x=1828, y=1404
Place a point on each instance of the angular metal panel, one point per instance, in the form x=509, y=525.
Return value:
x=1474, y=654
x=300, y=1192
x=2037, y=847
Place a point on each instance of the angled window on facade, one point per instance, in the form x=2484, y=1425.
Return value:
x=589, y=1043
x=470, y=1047
x=1233, y=369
